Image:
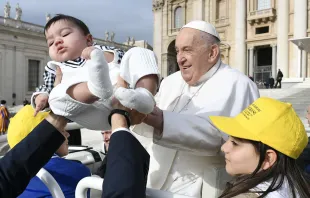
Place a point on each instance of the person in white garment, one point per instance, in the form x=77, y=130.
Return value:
x=183, y=144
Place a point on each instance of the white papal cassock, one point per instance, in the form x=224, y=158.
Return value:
x=187, y=158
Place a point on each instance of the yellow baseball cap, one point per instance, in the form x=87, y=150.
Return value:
x=269, y=121
x=22, y=124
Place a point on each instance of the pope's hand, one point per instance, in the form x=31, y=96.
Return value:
x=156, y=119
x=136, y=117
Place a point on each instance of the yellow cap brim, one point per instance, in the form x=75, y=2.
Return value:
x=232, y=127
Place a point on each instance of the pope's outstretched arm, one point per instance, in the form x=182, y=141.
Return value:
x=194, y=132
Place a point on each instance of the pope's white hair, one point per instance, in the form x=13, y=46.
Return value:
x=209, y=39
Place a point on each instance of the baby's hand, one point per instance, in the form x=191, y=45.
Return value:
x=41, y=102
x=87, y=51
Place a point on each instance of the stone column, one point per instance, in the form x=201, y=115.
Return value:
x=164, y=63
x=20, y=72
x=300, y=31
x=255, y=62
x=282, y=39
x=198, y=7
x=207, y=10
x=304, y=64
x=251, y=62
x=274, y=61
x=2, y=74
x=240, y=36
x=9, y=78
x=158, y=25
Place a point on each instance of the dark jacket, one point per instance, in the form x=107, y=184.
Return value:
x=271, y=81
x=102, y=168
x=127, y=167
x=23, y=162
x=279, y=75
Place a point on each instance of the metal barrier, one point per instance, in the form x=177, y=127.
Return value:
x=95, y=182
x=72, y=126
x=50, y=183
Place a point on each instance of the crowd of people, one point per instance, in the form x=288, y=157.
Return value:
x=198, y=136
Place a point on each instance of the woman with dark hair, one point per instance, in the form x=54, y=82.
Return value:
x=265, y=141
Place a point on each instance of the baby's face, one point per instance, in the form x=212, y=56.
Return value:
x=65, y=41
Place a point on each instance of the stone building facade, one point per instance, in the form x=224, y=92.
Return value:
x=255, y=34
x=24, y=54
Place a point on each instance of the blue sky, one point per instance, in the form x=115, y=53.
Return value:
x=124, y=17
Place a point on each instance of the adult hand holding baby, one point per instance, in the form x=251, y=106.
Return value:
x=41, y=100
x=58, y=76
x=87, y=51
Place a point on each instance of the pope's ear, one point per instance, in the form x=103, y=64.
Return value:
x=214, y=53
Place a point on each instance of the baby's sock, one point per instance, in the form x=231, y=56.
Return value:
x=99, y=83
x=139, y=99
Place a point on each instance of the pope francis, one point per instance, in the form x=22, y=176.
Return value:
x=183, y=144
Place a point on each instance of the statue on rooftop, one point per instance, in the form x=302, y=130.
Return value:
x=133, y=40
x=106, y=35
x=19, y=12
x=112, y=36
x=48, y=17
x=7, y=10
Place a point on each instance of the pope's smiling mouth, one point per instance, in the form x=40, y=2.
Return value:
x=186, y=67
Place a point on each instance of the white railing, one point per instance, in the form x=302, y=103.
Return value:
x=266, y=68
x=73, y=126
x=10, y=22
x=50, y=183
x=261, y=15
x=95, y=182
x=21, y=24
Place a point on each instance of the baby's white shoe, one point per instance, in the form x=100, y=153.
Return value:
x=139, y=99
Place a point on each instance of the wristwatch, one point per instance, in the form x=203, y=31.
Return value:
x=122, y=112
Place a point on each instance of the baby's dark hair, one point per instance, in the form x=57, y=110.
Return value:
x=80, y=24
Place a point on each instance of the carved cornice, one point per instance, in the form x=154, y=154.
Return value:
x=224, y=45
x=273, y=45
x=176, y=2
x=259, y=16
x=158, y=4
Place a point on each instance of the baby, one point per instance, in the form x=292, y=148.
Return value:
x=89, y=82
